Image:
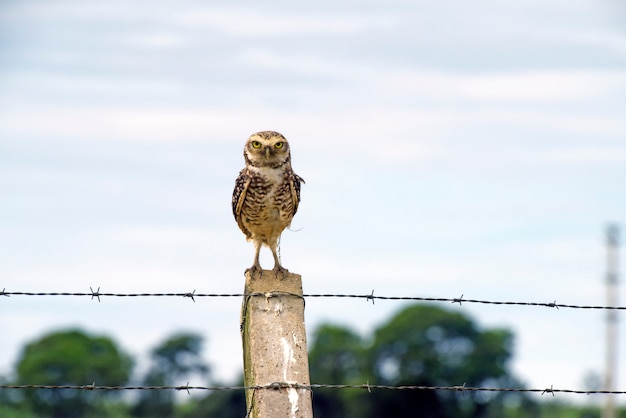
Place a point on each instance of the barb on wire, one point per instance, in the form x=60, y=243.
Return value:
x=460, y=389
x=95, y=294
x=186, y=387
x=191, y=295
x=282, y=385
x=551, y=390
x=368, y=297
x=553, y=305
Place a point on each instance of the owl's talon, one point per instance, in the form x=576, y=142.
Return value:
x=280, y=272
x=254, y=270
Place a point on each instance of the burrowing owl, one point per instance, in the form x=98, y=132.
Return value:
x=267, y=193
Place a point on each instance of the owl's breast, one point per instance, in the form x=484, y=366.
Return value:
x=268, y=207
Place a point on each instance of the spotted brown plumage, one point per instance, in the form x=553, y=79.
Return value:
x=267, y=193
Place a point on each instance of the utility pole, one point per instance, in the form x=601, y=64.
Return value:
x=612, y=243
x=274, y=346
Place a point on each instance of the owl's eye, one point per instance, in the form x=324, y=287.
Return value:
x=279, y=145
x=256, y=144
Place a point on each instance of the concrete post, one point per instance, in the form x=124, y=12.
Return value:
x=274, y=346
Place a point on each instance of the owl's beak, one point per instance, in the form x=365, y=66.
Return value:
x=268, y=152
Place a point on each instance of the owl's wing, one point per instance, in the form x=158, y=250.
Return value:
x=239, y=194
x=294, y=185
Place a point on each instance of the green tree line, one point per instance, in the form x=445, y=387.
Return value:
x=420, y=345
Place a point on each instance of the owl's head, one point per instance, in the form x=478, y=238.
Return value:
x=267, y=149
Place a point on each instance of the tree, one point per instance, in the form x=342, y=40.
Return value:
x=429, y=346
x=221, y=403
x=175, y=359
x=337, y=356
x=421, y=345
x=71, y=357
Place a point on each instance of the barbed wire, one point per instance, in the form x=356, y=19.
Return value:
x=97, y=294
x=282, y=385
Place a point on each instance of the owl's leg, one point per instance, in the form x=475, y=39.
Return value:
x=256, y=267
x=278, y=269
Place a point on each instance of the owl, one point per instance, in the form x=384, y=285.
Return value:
x=267, y=193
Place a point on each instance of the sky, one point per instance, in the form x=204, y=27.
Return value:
x=449, y=148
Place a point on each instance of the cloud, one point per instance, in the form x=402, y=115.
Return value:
x=260, y=24
x=84, y=87
x=584, y=155
x=153, y=40
x=407, y=134
x=539, y=86
x=511, y=87
x=161, y=236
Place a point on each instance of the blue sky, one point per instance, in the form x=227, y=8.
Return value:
x=448, y=149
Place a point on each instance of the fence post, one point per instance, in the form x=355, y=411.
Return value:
x=612, y=243
x=274, y=346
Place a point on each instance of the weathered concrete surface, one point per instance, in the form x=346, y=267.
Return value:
x=274, y=345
